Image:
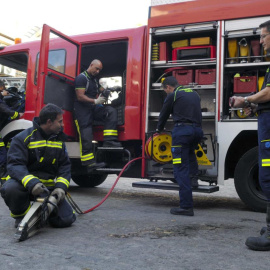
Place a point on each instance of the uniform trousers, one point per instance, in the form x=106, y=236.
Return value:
x=3, y=153
x=185, y=139
x=18, y=200
x=264, y=152
x=85, y=115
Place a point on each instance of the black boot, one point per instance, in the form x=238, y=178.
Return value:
x=182, y=211
x=263, y=230
x=262, y=242
x=95, y=165
x=112, y=144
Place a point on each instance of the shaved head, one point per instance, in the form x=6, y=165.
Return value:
x=95, y=67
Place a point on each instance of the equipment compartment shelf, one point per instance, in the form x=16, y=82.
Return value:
x=194, y=62
x=157, y=87
x=247, y=65
x=155, y=115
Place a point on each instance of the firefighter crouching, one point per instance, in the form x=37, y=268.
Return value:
x=38, y=162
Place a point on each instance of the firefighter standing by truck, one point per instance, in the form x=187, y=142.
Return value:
x=5, y=113
x=184, y=105
x=36, y=157
x=88, y=106
x=260, y=102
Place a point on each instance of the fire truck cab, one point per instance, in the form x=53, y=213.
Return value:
x=205, y=44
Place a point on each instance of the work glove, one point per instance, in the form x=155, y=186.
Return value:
x=59, y=194
x=106, y=93
x=100, y=100
x=38, y=189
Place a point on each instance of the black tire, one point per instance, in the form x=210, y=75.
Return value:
x=92, y=180
x=246, y=181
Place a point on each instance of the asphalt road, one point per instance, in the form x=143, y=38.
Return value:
x=134, y=229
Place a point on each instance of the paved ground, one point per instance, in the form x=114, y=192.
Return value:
x=133, y=229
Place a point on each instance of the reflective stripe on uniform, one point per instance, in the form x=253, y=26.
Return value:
x=48, y=182
x=30, y=134
x=179, y=88
x=87, y=157
x=26, y=179
x=2, y=144
x=78, y=129
x=110, y=132
x=44, y=143
x=62, y=180
x=177, y=161
x=15, y=115
x=21, y=215
x=265, y=162
x=83, y=157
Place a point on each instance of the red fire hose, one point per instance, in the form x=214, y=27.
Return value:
x=76, y=207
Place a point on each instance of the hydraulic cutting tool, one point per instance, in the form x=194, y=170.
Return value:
x=36, y=217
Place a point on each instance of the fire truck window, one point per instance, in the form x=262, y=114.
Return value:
x=57, y=59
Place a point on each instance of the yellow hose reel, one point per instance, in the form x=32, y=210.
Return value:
x=158, y=148
x=240, y=114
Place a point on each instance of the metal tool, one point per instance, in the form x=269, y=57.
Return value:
x=36, y=217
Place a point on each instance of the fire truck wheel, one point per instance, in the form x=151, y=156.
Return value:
x=246, y=181
x=89, y=180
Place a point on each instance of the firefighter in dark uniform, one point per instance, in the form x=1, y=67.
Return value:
x=87, y=108
x=260, y=102
x=38, y=163
x=184, y=105
x=5, y=113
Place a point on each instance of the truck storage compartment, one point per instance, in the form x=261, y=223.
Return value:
x=200, y=41
x=205, y=76
x=164, y=53
x=194, y=52
x=245, y=84
x=183, y=76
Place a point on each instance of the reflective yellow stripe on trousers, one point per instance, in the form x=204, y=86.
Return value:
x=21, y=215
x=110, y=132
x=87, y=157
x=265, y=162
x=177, y=161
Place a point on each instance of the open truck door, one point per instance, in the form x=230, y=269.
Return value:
x=58, y=65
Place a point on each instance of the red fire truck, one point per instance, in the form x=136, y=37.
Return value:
x=210, y=46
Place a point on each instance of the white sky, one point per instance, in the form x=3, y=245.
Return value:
x=72, y=17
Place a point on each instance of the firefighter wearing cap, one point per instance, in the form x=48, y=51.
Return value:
x=88, y=106
x=5, y=113
x=38, y=163
x=184, y=105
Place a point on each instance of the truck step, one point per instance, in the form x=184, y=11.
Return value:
x=111, y=148
x=174, y=186
x=109, y=170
